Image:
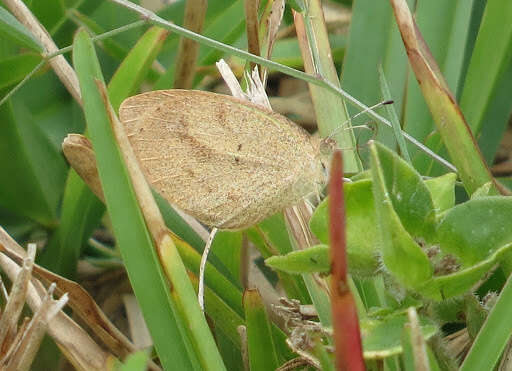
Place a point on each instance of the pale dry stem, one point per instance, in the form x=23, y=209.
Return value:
x=17, y=297
x=27, y=348
x=73, y=341
x=59, y=64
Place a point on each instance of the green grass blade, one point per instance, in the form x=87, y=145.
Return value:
x=330, y=110
x=374, y=40
x=135, y=66
x=142, y=264
x=491, y=55
x=393, y=117
x=262, y=353
x=449, y=120
x=485, y=99
x=445, y=38
x=64, y=248
x=494, y=335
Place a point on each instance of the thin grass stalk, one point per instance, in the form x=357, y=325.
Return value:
x=195, y=13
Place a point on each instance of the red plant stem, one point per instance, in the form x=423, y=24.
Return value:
x=347, y=338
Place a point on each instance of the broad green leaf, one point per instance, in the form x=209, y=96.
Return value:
x=474, y=230
x=275, y=232
x=362, y=238
x=408, y=193
x=12, y=29
x=35, y=170
x=382, y=337
x=449, y=285
x=402, y=256
x=442, y=191
x=314, y=259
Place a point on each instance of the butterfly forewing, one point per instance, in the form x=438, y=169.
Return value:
x=227, y=162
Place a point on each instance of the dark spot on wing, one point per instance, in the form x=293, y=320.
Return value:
x=233, y=197
x=239, y=147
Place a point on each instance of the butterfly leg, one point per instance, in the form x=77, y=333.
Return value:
x=204, y=257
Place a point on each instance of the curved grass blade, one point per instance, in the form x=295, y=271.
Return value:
x=136, y=65
x=330, y=110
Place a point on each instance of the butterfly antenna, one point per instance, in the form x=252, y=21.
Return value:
x=339, y=128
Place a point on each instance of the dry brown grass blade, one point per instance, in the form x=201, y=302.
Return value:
x=28, y=346
x=251, y=26
x=195, y=12
x=85, y=307
x=80, y=155
x=271, y=21
x=15, y=343
x=17, y=297
x=73, y=341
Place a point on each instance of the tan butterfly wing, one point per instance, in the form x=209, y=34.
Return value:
x=227, y=162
